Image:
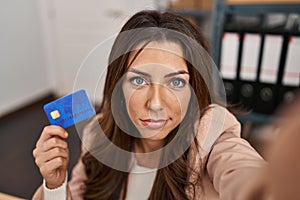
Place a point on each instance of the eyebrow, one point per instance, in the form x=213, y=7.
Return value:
x=139, y=72
x=166, y=76
x=176, y=73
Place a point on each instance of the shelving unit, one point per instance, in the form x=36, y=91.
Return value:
x=224, y=9
x=253, y=7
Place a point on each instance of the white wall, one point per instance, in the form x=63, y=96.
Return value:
x=78, y=26
x=23, y=70
x=44, y=42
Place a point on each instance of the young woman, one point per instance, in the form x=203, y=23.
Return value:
x=159, y=133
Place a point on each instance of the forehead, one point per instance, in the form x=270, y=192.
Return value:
x=160, y=54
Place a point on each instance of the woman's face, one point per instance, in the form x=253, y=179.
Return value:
x=156, y=89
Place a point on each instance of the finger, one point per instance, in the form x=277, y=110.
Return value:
x=51, y=131
x=51, y=143
x=51, y=154
x=35, y=152
x=54, y=172
x=54, y=164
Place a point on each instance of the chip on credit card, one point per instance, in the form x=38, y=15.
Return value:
x=70, y=109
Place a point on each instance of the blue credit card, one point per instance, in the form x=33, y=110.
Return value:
x=70, y=109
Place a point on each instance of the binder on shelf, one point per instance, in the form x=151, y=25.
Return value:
x=229, y=55
x=249, y=68
x=228, y=64
x=271, y=58
x=248, y=94
x=267, y=90
x=250, y=56
x=287, y=94
x=266, y=101
x=291, y=73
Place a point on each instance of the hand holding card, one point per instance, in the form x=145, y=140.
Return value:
x=51, y=153
x=70, y=109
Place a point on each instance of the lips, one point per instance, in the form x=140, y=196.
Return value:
x=154, y=124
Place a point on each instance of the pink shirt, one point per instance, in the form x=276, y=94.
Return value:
x=232, y=167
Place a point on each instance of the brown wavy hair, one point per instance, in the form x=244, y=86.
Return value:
x=171, y=181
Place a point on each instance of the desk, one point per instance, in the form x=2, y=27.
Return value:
x=8, y=197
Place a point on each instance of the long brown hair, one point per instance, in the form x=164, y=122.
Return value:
x=104, y=182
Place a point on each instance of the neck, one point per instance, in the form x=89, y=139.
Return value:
x=145, y=146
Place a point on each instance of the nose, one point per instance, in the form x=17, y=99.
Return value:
x=155, y=98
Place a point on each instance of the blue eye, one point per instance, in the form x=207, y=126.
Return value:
x=138, y=81
x=177, y=83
